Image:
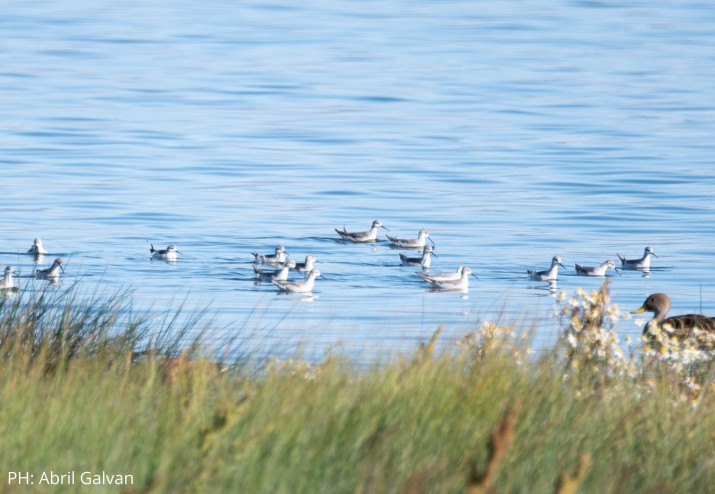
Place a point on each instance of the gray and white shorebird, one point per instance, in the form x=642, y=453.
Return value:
x=53, y=271
x=307, y=266
x=7, y=283
x=638, y=264
x=302, y=286
x=454, y=276
x=425, y=260
x=595, y=270
x=280, y=274
x=461, y=284
x=168, y=254
x=279, y=257
x=368, y=236
x=548, y=274
x=37, y=248
x=411, y=243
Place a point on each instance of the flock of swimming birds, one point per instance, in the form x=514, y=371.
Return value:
x=275, y=268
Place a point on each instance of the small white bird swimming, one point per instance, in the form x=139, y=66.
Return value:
x=280, y=274
x=643, y=263
x=168, y=254
x=303, y=286
x=425, y=260
x=368, y=236
x=53, y=271
x=549, y=274
x=454, y=276
x=595, y=270
x=462, y=284
x=307, y=266
x=37, y=249
x=279, y=257
x=7, y=283
x=411, y=243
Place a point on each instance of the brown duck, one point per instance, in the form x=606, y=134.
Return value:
x=679, y=326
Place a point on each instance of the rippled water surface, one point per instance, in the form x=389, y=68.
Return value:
x=513, y=131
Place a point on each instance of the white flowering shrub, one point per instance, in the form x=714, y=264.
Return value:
x=492, y=339
x=589, y=339
x=590, y=343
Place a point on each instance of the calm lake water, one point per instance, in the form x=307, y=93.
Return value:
x=513, y=131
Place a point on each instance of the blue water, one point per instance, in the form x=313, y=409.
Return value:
x=513, y=131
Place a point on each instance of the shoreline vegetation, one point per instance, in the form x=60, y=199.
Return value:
x=88, y=385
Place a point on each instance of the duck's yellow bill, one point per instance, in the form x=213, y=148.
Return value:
x=638, y=311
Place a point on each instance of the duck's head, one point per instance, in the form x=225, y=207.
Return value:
x=657, y=303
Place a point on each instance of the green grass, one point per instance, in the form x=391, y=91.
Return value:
x=74, y=397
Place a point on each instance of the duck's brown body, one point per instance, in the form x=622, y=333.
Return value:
x=683, y=326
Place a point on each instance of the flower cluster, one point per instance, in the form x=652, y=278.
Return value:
x=588, y=337
x=688, y=359
x=492, y=338
x=661, y=340
x=294, y=367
